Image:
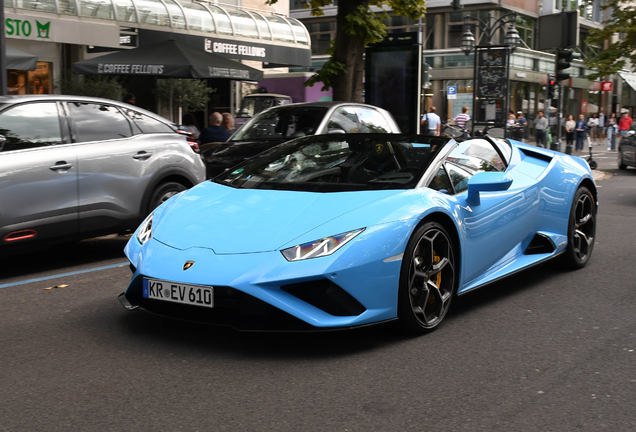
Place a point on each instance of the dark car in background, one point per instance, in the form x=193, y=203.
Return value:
x=283, y=123
x=257, y=102
x=75, y=167
x=627, y=149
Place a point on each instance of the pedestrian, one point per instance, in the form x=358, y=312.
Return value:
x=602, y=123
x=581, y=127
x=214, y=132
x=228, y=122
x=553, y=126
x=570, y=125
x=191, y=126
x=463, y=118
x=593, y=122
x=130, y=99
x=540, y=129
x=612, y=129
x=624, y=123
x=522, y=126
x=432, y=121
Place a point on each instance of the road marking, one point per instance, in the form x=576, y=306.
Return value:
x=63, y=275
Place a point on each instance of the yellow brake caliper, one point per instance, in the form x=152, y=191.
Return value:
x=438, y=277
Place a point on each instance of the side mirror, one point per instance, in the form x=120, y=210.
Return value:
x=486, y=182
x=630, y=133
x=336, y=131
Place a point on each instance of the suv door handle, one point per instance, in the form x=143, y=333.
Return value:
x=142, y=155
x=61, y=166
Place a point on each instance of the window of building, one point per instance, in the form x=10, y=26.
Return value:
x=98, y=122
x=526, y=27
x=321, y=33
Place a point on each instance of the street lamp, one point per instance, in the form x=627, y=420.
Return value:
x=489, y=28
x=492, y=66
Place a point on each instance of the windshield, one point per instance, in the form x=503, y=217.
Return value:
x=284, y=122
x=342, y=162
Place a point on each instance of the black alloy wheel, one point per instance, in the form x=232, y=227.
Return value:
x=162, y=193
x=428, y=279
x=581, y=229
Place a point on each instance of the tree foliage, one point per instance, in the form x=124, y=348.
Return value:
x=618, y=55
x=108, y=87
x=357, y=27
x=189, y=93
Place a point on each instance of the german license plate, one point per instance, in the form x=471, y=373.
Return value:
x=178, y=293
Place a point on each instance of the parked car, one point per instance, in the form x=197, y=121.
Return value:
x=627, y=149
x=254, y=103
x=337, y=231
x=282, y=123
x=75, y=167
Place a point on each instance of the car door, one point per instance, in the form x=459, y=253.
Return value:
x=38, y=174
x=116, y=164
x=501, y=221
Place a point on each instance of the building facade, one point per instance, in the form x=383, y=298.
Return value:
x=441, y=32
x=61, y=32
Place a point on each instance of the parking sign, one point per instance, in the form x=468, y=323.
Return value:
x=451, y=92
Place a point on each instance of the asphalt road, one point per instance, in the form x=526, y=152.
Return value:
x=547, y=350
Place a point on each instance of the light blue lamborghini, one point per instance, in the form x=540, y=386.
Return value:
x=337, y=231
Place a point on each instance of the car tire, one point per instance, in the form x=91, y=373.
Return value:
x=621, y=165
x=162, y=193
x=581, y=229
x=428, y=279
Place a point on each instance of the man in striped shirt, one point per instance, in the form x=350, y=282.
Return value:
x=461, y=119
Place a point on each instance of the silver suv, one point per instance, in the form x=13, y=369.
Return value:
x=76, y=167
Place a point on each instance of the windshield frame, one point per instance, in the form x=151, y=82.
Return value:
x=288, y=166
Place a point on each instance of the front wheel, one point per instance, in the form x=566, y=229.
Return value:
x=162, y=193
x=621, y=165
x=427, y=279
x=581, y=229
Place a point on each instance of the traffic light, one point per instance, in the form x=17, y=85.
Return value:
x=550, y=86
x=563, y=62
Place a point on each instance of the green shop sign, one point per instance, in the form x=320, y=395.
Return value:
x=16, y=27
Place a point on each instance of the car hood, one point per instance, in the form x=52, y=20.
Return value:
x=232, y=221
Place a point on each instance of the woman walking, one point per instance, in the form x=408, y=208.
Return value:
x=570, y=125
x=612, y=128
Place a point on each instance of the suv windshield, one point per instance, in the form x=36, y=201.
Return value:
x=282, y=122
x=342, y=162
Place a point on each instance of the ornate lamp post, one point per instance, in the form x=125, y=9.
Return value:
x=492, y=67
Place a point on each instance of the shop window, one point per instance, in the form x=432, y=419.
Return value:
x=98, y=122
x=30, y=125
x=38, y=81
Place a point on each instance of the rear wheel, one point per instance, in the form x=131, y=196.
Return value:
x=581, y=229
x=427, y=279
x=162, y=193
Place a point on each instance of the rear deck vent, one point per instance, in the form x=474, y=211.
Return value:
x=540, y=244
x=326, y=296
x=537, y=155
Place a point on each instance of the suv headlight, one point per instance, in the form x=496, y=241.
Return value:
x=319, y=248
x=144, y=233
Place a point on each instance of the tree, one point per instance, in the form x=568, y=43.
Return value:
x=108, y=87
x=613, y=57
x=189, y=93
x=357, y=27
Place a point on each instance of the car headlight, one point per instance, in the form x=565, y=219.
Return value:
x=319, y=248
x=144, y=233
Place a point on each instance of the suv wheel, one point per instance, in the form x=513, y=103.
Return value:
x=162, y=193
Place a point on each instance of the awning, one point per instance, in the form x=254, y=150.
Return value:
x=19, y=60
x=168, y=59
x=629, y=78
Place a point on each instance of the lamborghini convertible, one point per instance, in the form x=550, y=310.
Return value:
x=344, y=230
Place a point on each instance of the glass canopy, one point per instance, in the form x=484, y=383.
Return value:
x=203, y=16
